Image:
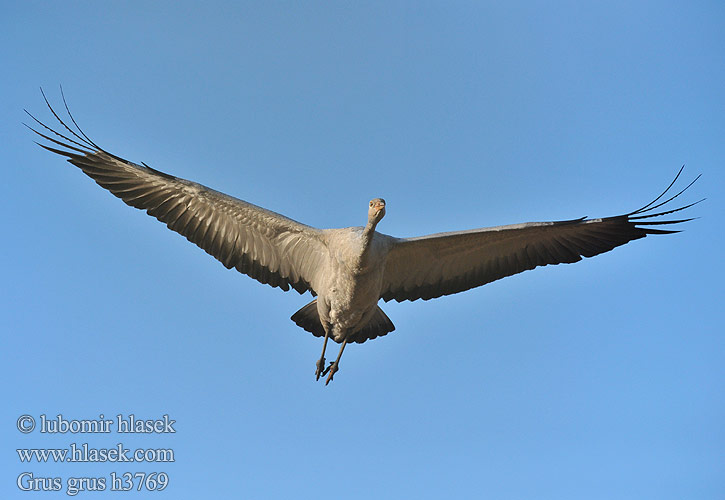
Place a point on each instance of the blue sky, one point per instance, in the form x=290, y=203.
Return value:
x=602, y=379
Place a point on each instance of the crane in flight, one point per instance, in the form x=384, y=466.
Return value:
x=347, y=270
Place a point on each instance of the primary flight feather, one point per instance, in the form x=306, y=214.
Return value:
x=350, y=269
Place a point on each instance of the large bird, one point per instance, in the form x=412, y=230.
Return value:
x=348, y=270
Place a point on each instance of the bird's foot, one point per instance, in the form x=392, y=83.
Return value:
x=320, y=367
x=332, y=369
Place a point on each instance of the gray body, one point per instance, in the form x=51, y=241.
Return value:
x=351, y=279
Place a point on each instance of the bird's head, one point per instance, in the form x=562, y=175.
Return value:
x=376, y=211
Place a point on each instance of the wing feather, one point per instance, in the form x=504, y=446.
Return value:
x=442, y=264
x=267, y=246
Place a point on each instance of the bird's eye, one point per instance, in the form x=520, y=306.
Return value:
x=371, y=203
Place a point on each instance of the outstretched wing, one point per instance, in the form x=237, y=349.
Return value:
x=267, y=246
x=442, y=264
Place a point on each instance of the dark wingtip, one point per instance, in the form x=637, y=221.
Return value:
x=637, y=218
x=80, y=130
x=646, y=212
x=84, y=141
x=651, y=205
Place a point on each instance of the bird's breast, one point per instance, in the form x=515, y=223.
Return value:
x=353, y=280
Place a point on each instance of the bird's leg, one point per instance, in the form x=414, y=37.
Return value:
x=335, y=366
x=321, y=361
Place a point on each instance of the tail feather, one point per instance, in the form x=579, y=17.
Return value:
x=379, y=325
x=308, y=319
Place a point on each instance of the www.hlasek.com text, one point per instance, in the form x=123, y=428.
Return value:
x=84, y=453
